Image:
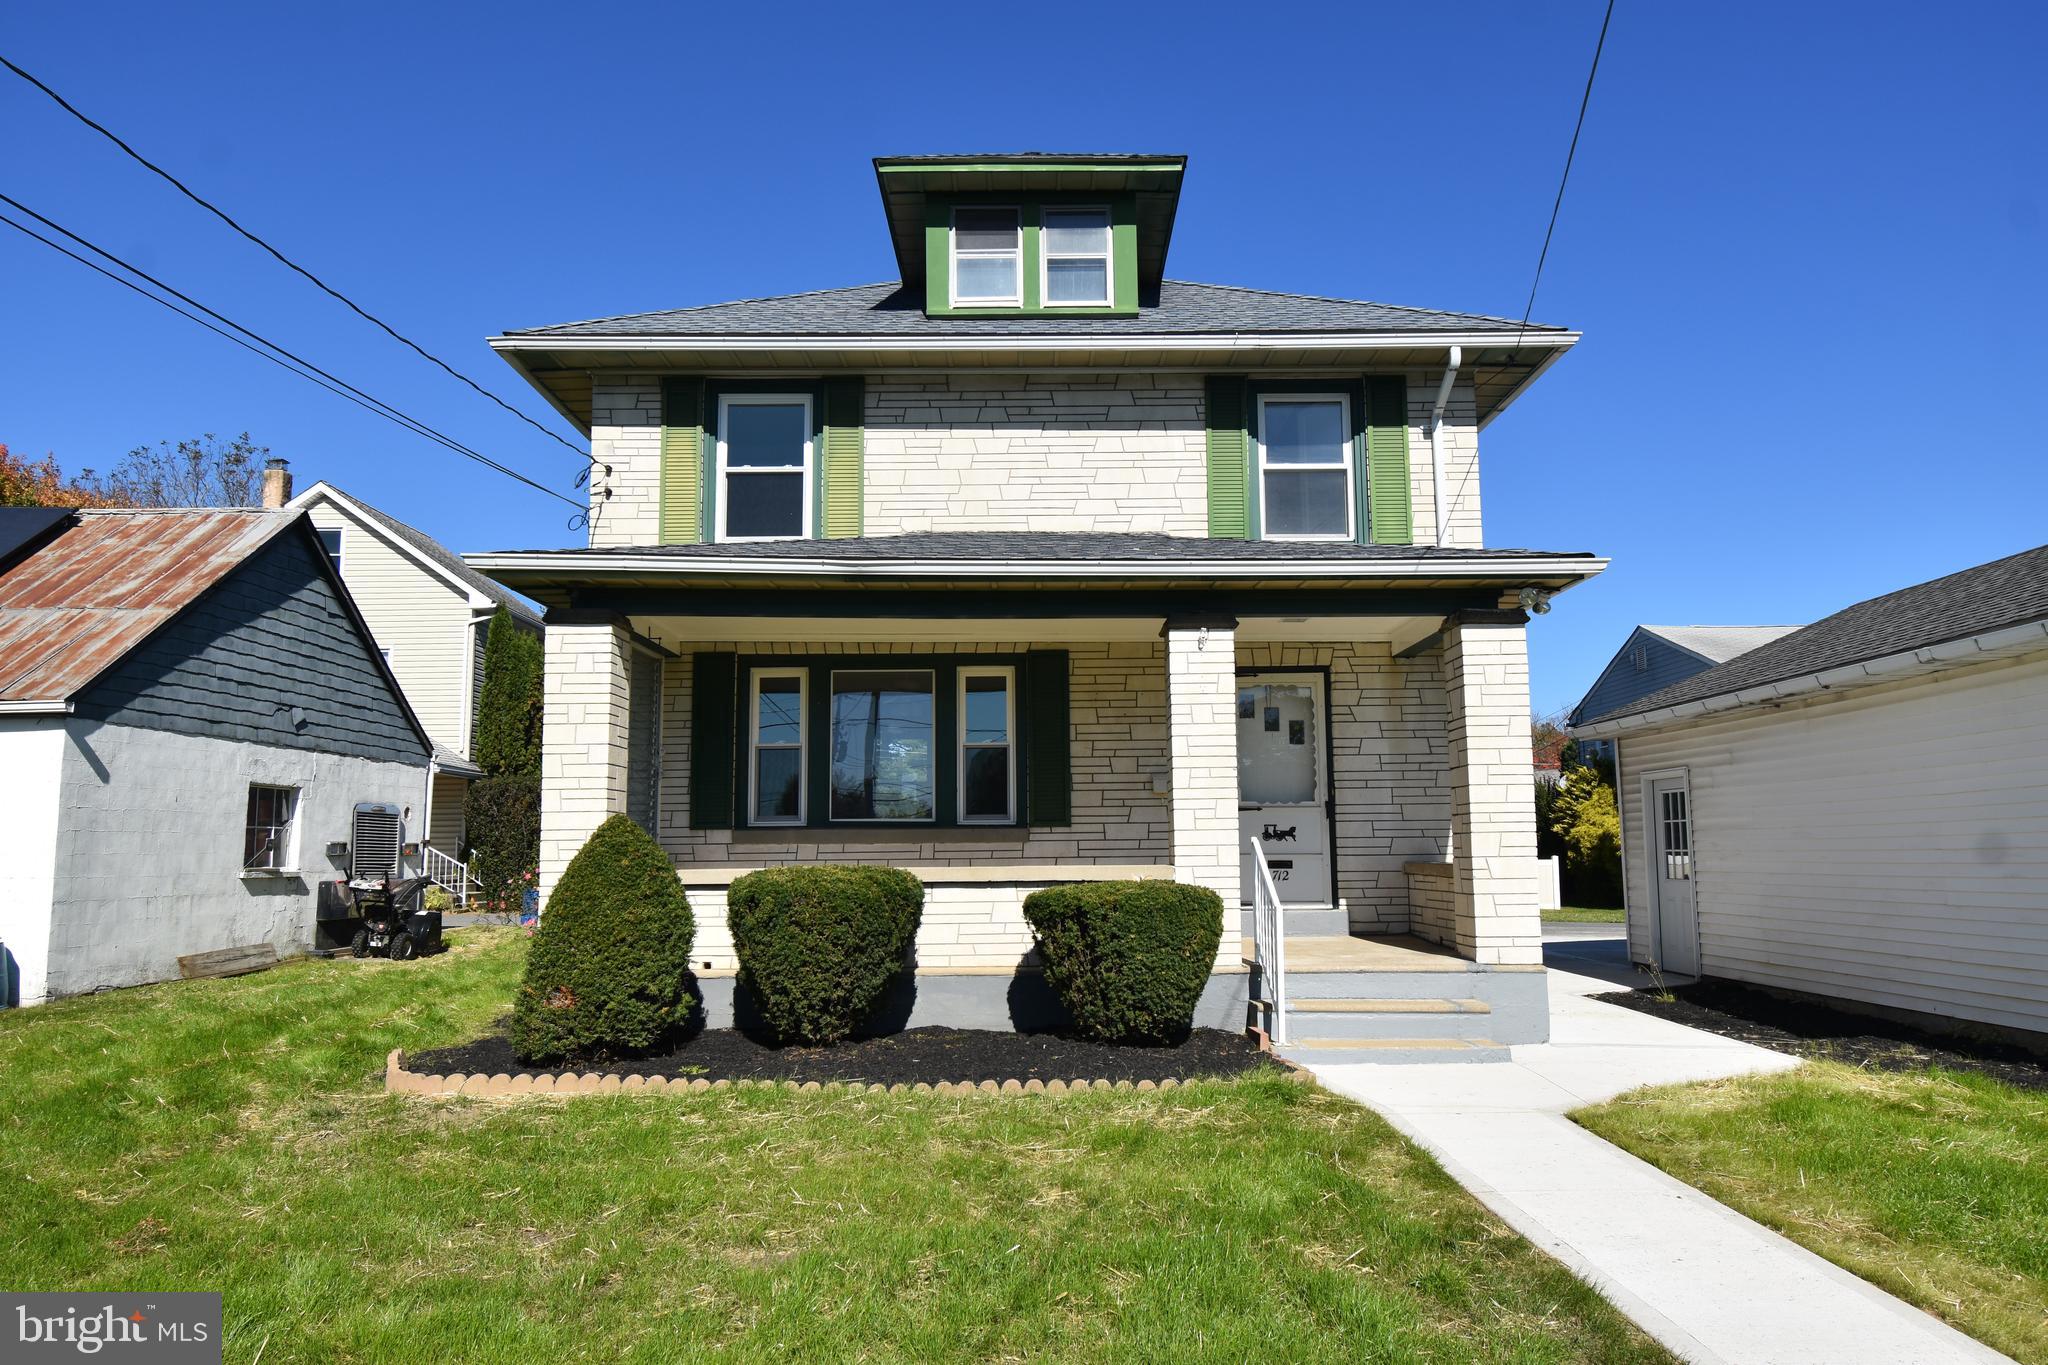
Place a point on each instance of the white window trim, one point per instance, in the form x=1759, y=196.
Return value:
x=1016, y=299
x=288, y=850
x=802, y=747
x=1108, y=258
x=337, y=559
x=1009, y=676
x=831, y=693
x=726, y=403
x=1350, y=462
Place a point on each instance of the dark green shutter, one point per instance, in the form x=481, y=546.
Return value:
x=1048, y=739
x=1386, y=459
x=682, y=467
x=1230, y=464
x=714, y=690
x=844, y=417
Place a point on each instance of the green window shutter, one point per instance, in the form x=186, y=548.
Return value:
x=1386, y=459
x=682, y=467
x=1230, y=466
x=714, y=706
x=1048, y=743
x=845, y=400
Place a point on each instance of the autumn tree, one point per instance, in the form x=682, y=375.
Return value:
x=39, y=483
x=204, y=472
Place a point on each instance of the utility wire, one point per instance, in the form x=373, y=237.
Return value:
x=1562, y=181
x=289, y=263
x=283, y=358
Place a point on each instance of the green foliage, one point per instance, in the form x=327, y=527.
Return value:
x=1128, y=959
x=503, y=820
x=819, y=944
x=612, y=954
x=1587, y=823
x=439, y=899
x=508, y=711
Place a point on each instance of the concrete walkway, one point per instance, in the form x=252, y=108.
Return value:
x=1708, y=1283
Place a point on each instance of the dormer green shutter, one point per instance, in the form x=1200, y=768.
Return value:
x=682, y=462
x=845, y=400
x=1230, y=469
x=1386, y=459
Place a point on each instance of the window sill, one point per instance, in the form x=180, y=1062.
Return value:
x=879, y=834
x=271, y=873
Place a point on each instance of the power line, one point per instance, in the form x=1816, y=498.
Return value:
x=288, y=262
x=283, y=358
x=1562, y=181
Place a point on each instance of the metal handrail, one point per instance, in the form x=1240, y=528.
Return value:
x=449, y=874
x=1269, y=945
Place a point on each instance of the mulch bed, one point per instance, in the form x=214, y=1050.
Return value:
x=920, y=1054
x=1817, y=1031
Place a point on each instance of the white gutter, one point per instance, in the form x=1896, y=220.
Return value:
x=1991, y=645
x=603, y=564
x=53, y=706
x=1436, y=422
x=1177, y=341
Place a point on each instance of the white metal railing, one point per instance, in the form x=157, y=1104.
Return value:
x=1269, y=946
x=449, y=874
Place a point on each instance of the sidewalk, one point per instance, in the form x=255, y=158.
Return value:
x=1708, y=1283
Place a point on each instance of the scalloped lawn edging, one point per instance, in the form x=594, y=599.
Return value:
x=399, y=1081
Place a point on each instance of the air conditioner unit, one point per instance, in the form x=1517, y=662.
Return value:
x=374, y=841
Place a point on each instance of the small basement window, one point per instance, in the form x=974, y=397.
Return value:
x=1075, y=247
x=987, y=257
x=267, y=834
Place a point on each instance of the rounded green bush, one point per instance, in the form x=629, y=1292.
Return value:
x=819, y=944
x=1128, y=959
x=610, y=959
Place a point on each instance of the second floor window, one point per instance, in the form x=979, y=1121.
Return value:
x=330, y=541
x=1075, y=244
x=987, y=256
x=1305, y=467
x=765, y=466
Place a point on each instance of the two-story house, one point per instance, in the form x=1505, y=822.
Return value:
x=1035, y=566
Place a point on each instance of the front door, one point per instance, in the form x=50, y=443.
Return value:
x=1678, y=935
x=1283, y=784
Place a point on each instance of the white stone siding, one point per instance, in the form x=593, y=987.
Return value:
x=1493, y=813
x=1201, y=708
x=1459, y=444
x=1041, y=452
x=625, y=433
x=1388, y=769
x=583, y=739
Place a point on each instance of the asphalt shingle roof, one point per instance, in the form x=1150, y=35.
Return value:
x=2006, y=592
x=892, y=310
x=1720, y=643
x=1057, y=546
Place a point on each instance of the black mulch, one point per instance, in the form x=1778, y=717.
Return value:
x=920, y=1054
x=1816, y=1031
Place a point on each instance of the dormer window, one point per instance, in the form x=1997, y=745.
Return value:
x=987, y=257
x=1075, y=247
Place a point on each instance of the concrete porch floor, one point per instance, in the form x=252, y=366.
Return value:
x=1374, y=953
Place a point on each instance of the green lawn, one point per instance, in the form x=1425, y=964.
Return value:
x=1931, y=1184
x=1578, y=914
x=234, y=1135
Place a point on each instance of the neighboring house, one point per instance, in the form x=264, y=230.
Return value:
x=430, y=613
x=1653, y=658
x=1858, y=809
x=1037, y=567
x=191, y=713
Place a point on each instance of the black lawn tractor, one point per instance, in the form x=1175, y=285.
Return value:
x=393, y=925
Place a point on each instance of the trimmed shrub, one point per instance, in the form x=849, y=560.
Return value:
x=818, y=945
x=1128, y=959
x=607, y=969
x=502, y=817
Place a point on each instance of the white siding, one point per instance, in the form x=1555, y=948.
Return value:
x=32, y=755
x=1888, y=845
x=420, y=617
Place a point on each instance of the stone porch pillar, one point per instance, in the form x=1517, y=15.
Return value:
x=1493, y=809
x=1201, y=710
x=583, y=734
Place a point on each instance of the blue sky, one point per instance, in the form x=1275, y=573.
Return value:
x=1805, y=243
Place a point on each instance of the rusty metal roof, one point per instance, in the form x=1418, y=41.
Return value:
x=79, y=604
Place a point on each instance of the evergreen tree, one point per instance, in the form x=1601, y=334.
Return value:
x=508, y=715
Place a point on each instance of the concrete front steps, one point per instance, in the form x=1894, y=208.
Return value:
x=1400, y=999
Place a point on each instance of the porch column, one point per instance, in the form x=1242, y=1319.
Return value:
x=583, y=735
x=1493, y=809
x=1201, y=709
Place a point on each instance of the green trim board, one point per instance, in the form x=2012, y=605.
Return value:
x=1227, y=434
x=1123, y=246
x=1040, y=743
x=1388, y=474
x=842, y=479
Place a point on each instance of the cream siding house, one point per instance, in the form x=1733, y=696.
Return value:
x=1858, y=809
x=1038, y=567
x=429, y=613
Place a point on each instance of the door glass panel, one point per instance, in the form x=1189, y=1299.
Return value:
x=1277, y=744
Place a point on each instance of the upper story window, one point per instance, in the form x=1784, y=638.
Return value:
x=330, y=541
x=766, y=466
x=1305, y=466
x=1075, y=246
x=988, y=256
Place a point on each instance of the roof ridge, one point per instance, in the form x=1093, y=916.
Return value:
x=1364, y=303
x=703, y=307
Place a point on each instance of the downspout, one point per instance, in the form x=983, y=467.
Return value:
x=1436, y=422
